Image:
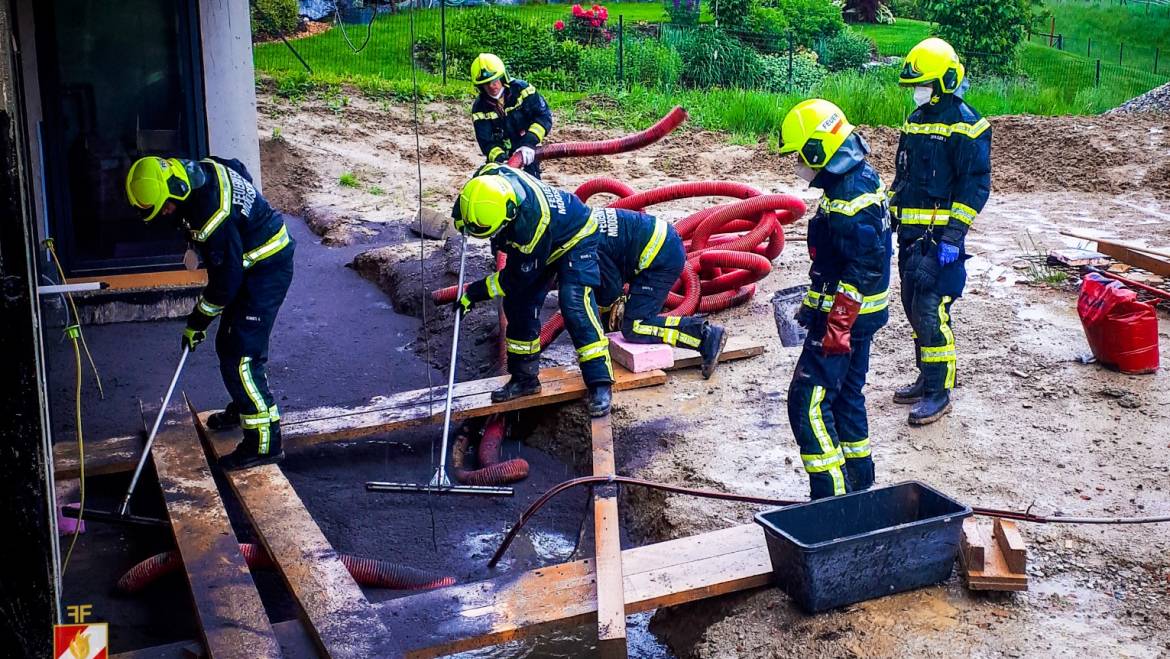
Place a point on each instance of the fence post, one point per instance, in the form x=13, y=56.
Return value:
x=1097, y=81
x=1089, y=50
x=621, y=51
x=1060, y=42
x=791, y=49
x=1157, y=51
x=1121, y=53
x=443, y=38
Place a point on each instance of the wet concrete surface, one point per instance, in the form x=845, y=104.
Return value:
x=337, y=341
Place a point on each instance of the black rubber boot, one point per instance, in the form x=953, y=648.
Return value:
x=714, y=338
x=225, y=419
x=931, y=408
x=525, y=370
x=910, y=394
x=600, y=399
x=246, y=456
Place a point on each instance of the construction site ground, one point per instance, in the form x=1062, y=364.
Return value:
x=1032, y=427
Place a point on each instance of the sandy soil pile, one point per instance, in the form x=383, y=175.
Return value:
x=1031, y=426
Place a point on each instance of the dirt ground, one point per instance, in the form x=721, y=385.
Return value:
x=1031, y=427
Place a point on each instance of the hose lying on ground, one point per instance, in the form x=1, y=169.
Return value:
x=371, y=572
x=659, y=130
x=492, y=471
x=594, y=481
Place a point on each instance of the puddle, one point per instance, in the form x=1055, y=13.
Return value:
x=579, y=642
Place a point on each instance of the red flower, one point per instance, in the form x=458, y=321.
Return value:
x=595, y=23
x=603, y=13
x=577, y=11
x=559, y=25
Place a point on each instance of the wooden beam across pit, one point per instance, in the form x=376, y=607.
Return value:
x=607, y=541
x=231, y=615
x=338, y=616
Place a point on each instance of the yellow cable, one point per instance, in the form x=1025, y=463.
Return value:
x=74, y=331
x=49, y=243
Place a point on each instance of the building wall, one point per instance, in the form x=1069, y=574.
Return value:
x=230, y=82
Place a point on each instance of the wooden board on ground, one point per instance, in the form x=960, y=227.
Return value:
x=383, y=414
x=231, y=615
x=511, y=607
x=738, y=347
x=611, y=604
x=146, y=280
x=993, y=557
x=338, y=616
x=1152, y=259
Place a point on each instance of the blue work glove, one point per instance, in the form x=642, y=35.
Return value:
x=947, y=253
x=192, y=338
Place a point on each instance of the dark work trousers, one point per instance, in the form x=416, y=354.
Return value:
x=242, y=346
x=641, y=322
x=929, y=312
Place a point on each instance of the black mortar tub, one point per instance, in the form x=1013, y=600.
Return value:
x=840, y=550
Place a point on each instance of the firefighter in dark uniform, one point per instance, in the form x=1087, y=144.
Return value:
x=850, y=246
x=509, y=115
x=943, y=180
x=248, y=254
x=545, y=233
x=648, y=254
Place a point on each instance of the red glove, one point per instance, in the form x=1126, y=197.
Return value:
x=841, y=319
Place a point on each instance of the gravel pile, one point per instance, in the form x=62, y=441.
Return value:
x=1155, y=101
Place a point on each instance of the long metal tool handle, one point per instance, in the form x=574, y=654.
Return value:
x=441, y=476
x=125, y=509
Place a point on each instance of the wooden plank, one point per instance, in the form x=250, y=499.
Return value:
x=511, y=607
x=970, y=544
x=342, y=622
x=611, y=609
x=1153, y=264
x=1152, y=251
x=738, y=347
x=1011, y=545
x=994, y=574
x=231, y=615
x=145, y=280
x=381, y=415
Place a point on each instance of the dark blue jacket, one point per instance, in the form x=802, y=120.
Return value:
x=850, y=246
x=628, y=243
x=943, y=171
x=549, y=222
x=520, y=118
x=233, y=228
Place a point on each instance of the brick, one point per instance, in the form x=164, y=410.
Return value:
x=640, y=357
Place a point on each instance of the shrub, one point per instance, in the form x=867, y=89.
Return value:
x=646, y=62
x=525, y=46
x=809, y=19
x=768, y=28
x=733, y=14
x=712, y=58
x=682, y=12
x=907, y=9
x=271, y=17
x=806, y=73
x=847, y=50
x=586, y=26
x=987, y=32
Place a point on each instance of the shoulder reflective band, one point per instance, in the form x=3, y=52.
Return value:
x=970, y=130
x=537, y=130
x=653, y=246
x=525, y=93
x=272, y=246
x=225, y=205
x=538, y=191
x=852, y=206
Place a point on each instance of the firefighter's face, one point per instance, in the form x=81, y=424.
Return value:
x=168, y=208
x=493, y=88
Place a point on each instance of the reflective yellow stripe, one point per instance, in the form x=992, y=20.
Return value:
x=945, y=327
x=484, y=116
x=537, y=130
x=818, y=462
x=963, y=213
x=856, y=450
x=225, y=205
x=594, y=350
x=970, y=130
x=829, y=450
x=939, y=217
x=850, y=291
x=274, y=245
x=852, y=206
x=869, y=303
x=493, y=285
x=518, y=347
x=590, y=305
x=208, y=309
x=586, y=231
x=650, y=251
x=495, y=152
x=524, y=93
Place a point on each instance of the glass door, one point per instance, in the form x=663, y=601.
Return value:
x=119, y=80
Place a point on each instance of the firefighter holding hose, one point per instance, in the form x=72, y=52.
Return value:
x=544, y=232
x=249, y=259
x=647, y=253
x=850, y=246
x=509, y=115
x=942, y=181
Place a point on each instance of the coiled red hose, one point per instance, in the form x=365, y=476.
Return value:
x=659, y=130
x=494, y=473
x=371, y=572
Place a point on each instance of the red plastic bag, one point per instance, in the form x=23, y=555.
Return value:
x=1122, y=332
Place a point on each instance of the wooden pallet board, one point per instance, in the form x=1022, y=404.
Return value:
x=227, y=605
x=607, y=540
x=738, y=347
x=993, y=557
x=339, y=617
x=510, y=607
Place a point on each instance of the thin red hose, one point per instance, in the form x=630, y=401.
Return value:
x=371, y=572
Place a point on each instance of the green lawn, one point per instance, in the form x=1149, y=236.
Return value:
x=1099, y=29
x=896, y=39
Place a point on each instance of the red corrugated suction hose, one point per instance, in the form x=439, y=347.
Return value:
x=371, y=572
x=665, y=125
x=494, y=473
